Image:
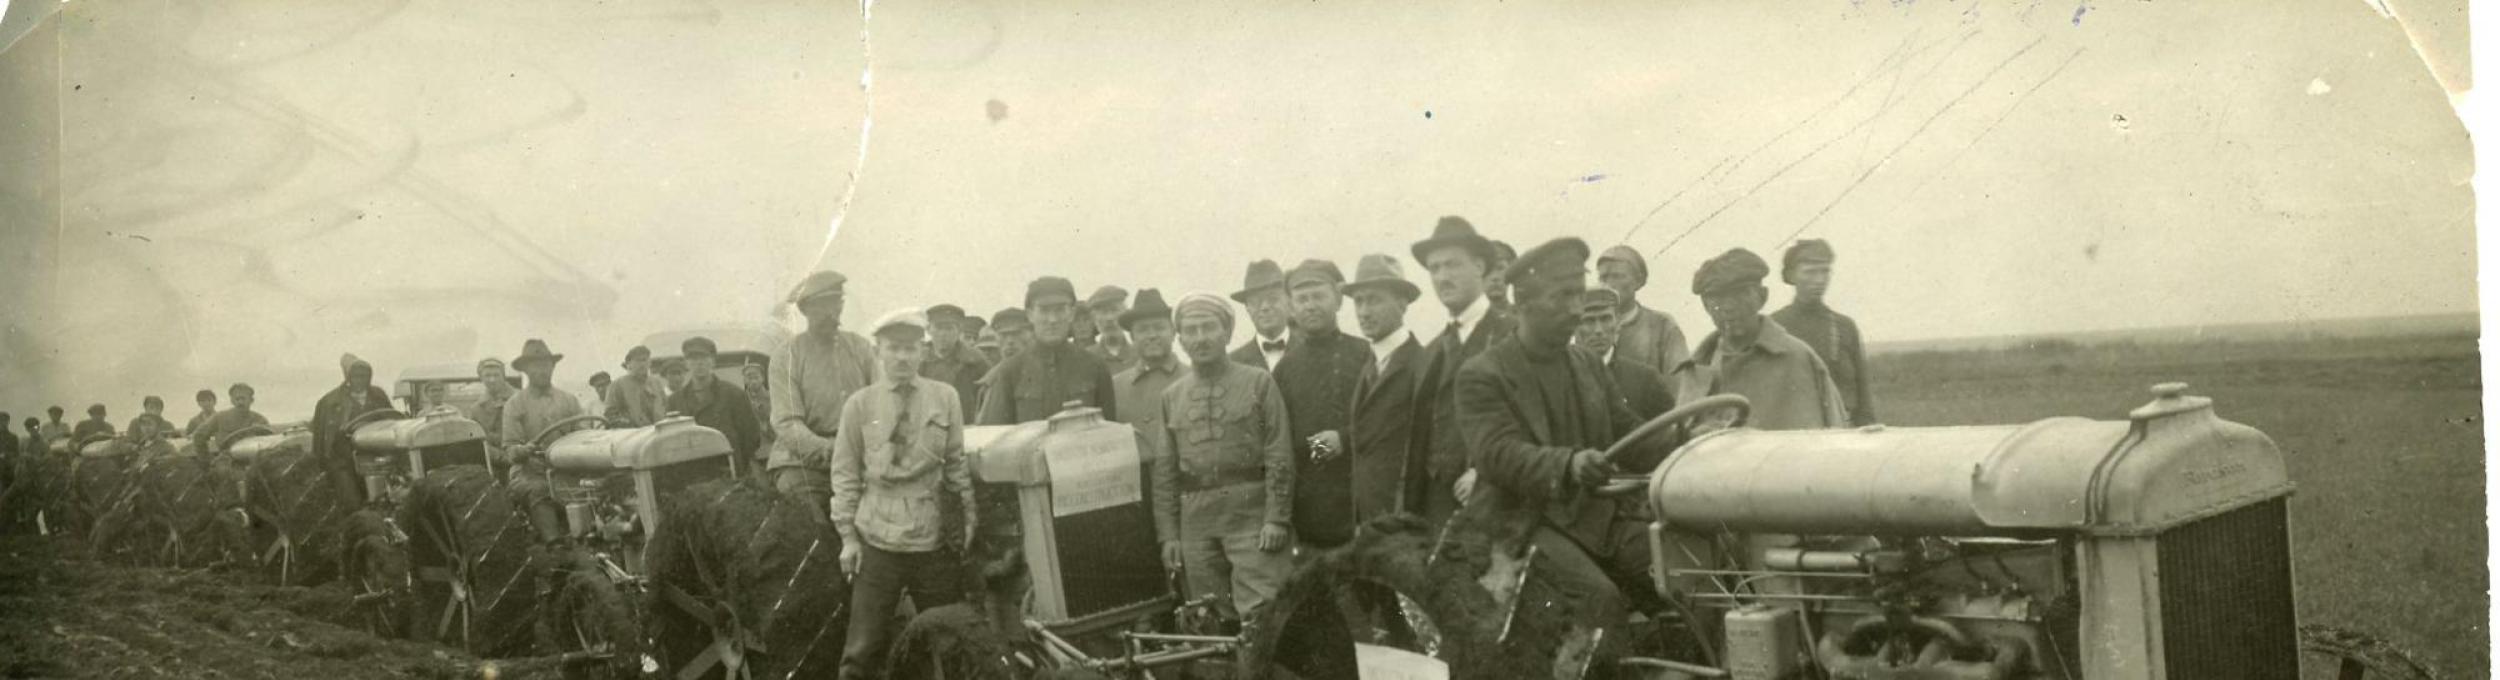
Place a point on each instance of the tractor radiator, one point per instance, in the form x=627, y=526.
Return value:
x=2226, y=596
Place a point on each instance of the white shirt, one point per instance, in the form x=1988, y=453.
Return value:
x=1274, y=356
x=1382, y=348
x=1471, y=317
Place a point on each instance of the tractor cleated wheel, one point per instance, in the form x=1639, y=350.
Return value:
x=375, y=565
x=2333, y=653
x=588, y=618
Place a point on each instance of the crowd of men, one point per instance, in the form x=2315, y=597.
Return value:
x=1283, y=445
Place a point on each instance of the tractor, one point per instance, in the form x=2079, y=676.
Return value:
x=2146, y=548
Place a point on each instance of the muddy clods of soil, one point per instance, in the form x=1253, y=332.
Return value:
x=62, y=616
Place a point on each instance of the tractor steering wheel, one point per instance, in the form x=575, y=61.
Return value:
x=1681, y=414
x=565, y=427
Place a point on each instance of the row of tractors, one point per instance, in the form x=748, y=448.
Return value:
x=2151, y=547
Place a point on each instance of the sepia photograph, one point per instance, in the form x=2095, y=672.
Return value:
x=1341, y=339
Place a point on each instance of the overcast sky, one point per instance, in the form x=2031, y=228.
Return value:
x=244, y=192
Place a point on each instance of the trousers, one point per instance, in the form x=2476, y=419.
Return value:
x=933, y=578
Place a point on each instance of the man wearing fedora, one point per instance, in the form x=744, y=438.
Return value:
x=952, y=359
x=1382, y=423
x=715, y=403
x=1271, y=314
x=1139, y=389
x=636, y=399
x=1749, y=354
x=531, y=409
x=1644, y=335
x=1053, y=374
x=1111, y=344
x=332, y=445
x=811, y=375
x=1317, y=377
x=1834, y=336
x=1460, y=263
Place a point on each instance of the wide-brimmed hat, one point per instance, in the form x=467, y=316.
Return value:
x=1149, y=306
x=1262, y=275
x=1455, y=231
x=1382, y=271
x=535, y=349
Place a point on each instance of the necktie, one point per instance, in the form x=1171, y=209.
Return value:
x=901, y=439
x=1452, y=333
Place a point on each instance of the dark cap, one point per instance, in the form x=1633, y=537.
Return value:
x=638, y=352
x=1107, y=296
x=1737, y=266
x=1599, y=299
x=1556, y=259
x=1049, y=285
x=1315, y=271
x=1149, y=306
x=204, y=394
x=601, y=378
x=1808, y=250
x=1010, y=318
x=1503, y=252
x=698, y=346
x=1262, y=275
x=945, y=313
x=1455, y=231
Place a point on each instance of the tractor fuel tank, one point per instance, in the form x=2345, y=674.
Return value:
x=2171, y=462
x=250, y=449
x=438, y=426
x=670, y=441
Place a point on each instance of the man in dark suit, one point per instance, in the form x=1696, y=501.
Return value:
x=1644, y=387
x=1317, y=377
x=1384, y=395
x=1460, y=262
x=1271, y=314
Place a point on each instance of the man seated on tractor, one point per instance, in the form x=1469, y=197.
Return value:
x=525, y=414
x=94, y=427
x=1535, y=411
x=229, y=421
x=152, y=418
x=899, y=445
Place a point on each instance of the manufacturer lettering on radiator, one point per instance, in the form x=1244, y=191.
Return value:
x=2216, y=473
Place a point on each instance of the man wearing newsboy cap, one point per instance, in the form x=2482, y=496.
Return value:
x=716, y=403
x=810, y=376
x=1053, y=374
x=1833, y=335
x=1751, y=355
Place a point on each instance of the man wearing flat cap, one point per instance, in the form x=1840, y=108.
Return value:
x=636, y=399
x=987, y=342
x=715, y=403
x=1536, y=413
x=1271, y=315
x=1317, y=377
x=1223, y=478
x=952, y=359
x=1751, y=355
x=1496, y=288
x=1111, y=344
x=1460, y=263
x=488, y=410
x=1644, y=387
x=899, y=454
x=1645, y=335
x=1833, y=335
x=332, y=444
x=811, y=376
x=1054, y=374
x=1139, y=389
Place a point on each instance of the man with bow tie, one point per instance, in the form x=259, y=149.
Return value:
x=1271, y=315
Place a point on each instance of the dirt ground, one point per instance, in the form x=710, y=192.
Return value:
x=2384, y=439
x=69, y=618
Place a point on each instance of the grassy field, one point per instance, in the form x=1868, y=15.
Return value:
x=2384, y=438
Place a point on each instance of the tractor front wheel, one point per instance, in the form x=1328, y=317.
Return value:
x=588, y=618
x=2329, y=652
